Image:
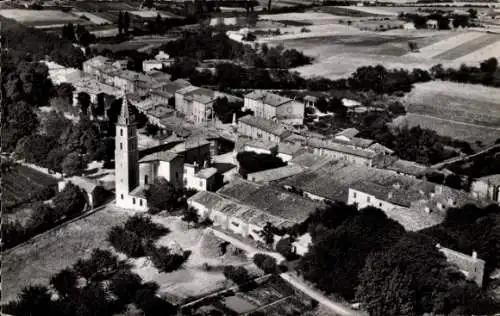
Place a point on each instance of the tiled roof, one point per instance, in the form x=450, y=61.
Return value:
x=337, y=147
x=407, y=167
x=206, y=173
x=348, y=132
x=289, y=149
x=261, y=144
x=239, y=188
x=160, y=156
x=267, y=98
x=139, y=192
x=275, y=174
x=209, y=199
x=310, y=160
x=86, y=184
x=266, y=125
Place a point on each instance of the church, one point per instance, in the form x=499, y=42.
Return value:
x=184, y=164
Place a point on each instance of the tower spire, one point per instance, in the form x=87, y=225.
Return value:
x=125, y=118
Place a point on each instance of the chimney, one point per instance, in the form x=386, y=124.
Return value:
x=474, y=255
x=438, y=189
x=427, y=210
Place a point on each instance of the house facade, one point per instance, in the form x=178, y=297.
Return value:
x=275, y=107
x=261, y=128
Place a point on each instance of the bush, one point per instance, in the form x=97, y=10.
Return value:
x=238, y=275
x=265, y=262
x=164, y=260
x=144, y=228
x=127, y=242
x=45, y=194
x=285, y=248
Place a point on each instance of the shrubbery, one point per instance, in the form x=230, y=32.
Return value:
x=265, y=262
x=164, y=259
x=238, y=275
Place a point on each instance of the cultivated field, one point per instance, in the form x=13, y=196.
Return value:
x=463, y=111
x=35, y=262
x=17, y=186
x=38, y=18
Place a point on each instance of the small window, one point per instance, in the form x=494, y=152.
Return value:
x=368, y=199
x=133, y=201
x=380, y=204
x=121, y=145
x=355, y=195
x=201, y=183
x=121, y=131
x=140, y=202
x=177, y=175
x=121, y=196
x=235, y=224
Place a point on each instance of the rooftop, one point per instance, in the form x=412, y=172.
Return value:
x=84, y=183
x=261, y=144
x=209, y=199
x=407, y=167
x=275, y=174
x=160, y=156
x=348, y=132
x=267, y=98
x=335, y=146
x=289, y=148
x=266, y=125
x=309, y=160
x=139, y=192
x=206, y=173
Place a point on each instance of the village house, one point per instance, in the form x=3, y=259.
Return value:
x=151, y=64
x=487, y=187
x=261, y=128
x=272, y=175
x=344, y=152
x=272, y=106
x=201, y=179
x=471, y=266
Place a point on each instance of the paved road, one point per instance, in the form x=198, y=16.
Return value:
x=335, y=307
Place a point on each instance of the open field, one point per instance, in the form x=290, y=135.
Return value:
x=461, y=131
x=37, y=17
x=491, y=50
x=36, y=261
x=441, y=47
x=191, y=280
x=474, y=104
x=371, y=11
x=92, y=17
x=104, y=6
x=351, y=12
x=17, y=186
x=469, y=47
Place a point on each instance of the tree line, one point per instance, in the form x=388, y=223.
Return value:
x=367, y=257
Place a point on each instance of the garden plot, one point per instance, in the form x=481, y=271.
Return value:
x=440, y=47
x=37, y=17
x=372, y=11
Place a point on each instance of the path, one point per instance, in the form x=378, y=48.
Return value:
x=251, y=250
x=464, y=158
x=289, y=277
x=335, y=307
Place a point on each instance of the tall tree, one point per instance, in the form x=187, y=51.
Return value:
x=267, y=233
x=120, y=22
x=126, y=22
x=74, y=164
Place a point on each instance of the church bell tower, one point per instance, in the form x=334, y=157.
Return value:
x=126, y=155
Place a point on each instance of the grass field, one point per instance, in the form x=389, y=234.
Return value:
x=352, y=12
x=453, y=129
x=37, y=17
x=35, y=262
x=17, y=186
x=469, y=47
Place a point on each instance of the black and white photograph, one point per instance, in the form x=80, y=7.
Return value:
x=250, y=157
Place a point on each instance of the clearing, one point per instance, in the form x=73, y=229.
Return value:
x=440, y=47
x=18, y=185
x=467, y=103
x=37, y=17
x=36, y=261
x=191, y=280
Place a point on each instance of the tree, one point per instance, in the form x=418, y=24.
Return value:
x=65, y=90
x=190, y=215
x=164, y=259
x=43, y=218
x=54, y=159
x=34, y=148
x=68, y=32
x=70, y=201
x=472, y=13
x=147, y=300
x=145, y=228
x=53, y=124
x=267, y=233
x=490, y=65
x=33, y=298
x=19, y=120
x=265, y=262
x=413, y=46
x=73, y=164
x=285, y=248
x=250, y=162
x=126, y=22
x=126, y=242
x=322, y=105
x=100, y=265
x=152, y=129
x=238, y=275
x=162, y=195
x=120, y=23
x=64, y=282
x=125, y=284
x=84, y=101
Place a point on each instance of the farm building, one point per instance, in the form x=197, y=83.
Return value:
x=471, y=266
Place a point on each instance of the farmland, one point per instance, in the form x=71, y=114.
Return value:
x=17, y=186
x=464, y=111
x=40, y=18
